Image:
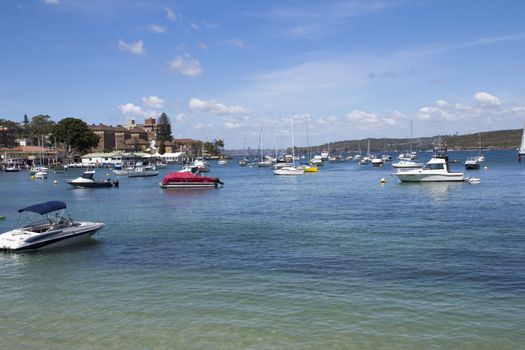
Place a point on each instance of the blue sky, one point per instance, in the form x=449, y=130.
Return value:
x=223, y=69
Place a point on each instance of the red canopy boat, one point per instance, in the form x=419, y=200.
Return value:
x=188, y=179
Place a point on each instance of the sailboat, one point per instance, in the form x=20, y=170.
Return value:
x=290, y=170
x=480, y=157
x=367, y=159
x=309, y=168
x=245, y=160
x=410, y=155
x=264, y=162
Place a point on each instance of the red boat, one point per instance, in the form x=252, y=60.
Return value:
x=188, y=179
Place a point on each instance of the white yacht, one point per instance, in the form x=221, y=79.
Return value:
x=377, y=161
x=50, y=231
x=41, y=175
x=436, y=170
x=472, y=163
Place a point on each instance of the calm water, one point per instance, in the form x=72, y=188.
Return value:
x=328, y=260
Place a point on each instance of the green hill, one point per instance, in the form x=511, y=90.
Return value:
x=500, y=139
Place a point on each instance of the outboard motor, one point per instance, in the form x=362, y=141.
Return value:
x=218, y=182
x=115, y=183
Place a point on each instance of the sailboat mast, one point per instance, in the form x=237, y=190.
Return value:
x=293, y=147
x=307, y=143
x=410, y=149
x=260, y=147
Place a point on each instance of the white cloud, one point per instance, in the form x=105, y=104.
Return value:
x=172, y=16
x=212, y=106
x=153, y=101
x=485, y=99
x=203, y=46
x=488, y=109
x=194, y=26
x=231, y=123
x=131, y=109
x=235, y=43
x=135, y=48
x=366, y=120
x=157, y=28
x=209, y=25
x=52, y=2
x=186, y=65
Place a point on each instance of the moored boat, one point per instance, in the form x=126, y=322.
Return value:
x=436, y=170
x=86, y=180
x=189, y=179
x=472, y=163
x=143, y=171
x=49, y=232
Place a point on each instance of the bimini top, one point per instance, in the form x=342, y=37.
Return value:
x=44, y=208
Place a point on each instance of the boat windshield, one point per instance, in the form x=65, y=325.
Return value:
x=88, y=175
x=435, y=166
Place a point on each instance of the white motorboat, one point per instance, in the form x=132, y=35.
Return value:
x=365, y=160
x=40, y=175
x=86, y=180
x=266, y=162
x=472, y=163
x=143, y=171
x=12, y=169
x=436, y=170
x=325, y=155
x=317, y=160
x=201, y=164
x=119, y=171
x=50, y=231
x=377, y=161
x=222, y=161
x=35, y=169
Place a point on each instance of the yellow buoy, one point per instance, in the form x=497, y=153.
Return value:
x=32, y=177
x=382, y=181
x=107, y=174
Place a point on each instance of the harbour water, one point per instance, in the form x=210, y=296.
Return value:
x=332, y=260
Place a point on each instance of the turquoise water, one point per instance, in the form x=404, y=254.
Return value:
x=332, y=260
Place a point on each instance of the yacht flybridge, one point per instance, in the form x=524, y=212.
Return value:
x=436, y=170
x=54, y=229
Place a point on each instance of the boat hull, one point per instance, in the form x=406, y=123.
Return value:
x=409, y=176
x=190, y=185
x=472, y=166
x=50, y=240
x=100, y=184
x=288, y=172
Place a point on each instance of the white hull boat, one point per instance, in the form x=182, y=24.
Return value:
x=51, y=232
x=436, y=170
x=289, y=170
x=143, y=171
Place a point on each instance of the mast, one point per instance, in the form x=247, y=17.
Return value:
x=293, y=147
x=522, y=146
x=260, y=147
x=307, y=144
x=244, y=146
x=410, y=149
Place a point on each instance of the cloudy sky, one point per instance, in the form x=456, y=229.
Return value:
x=225, y=69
